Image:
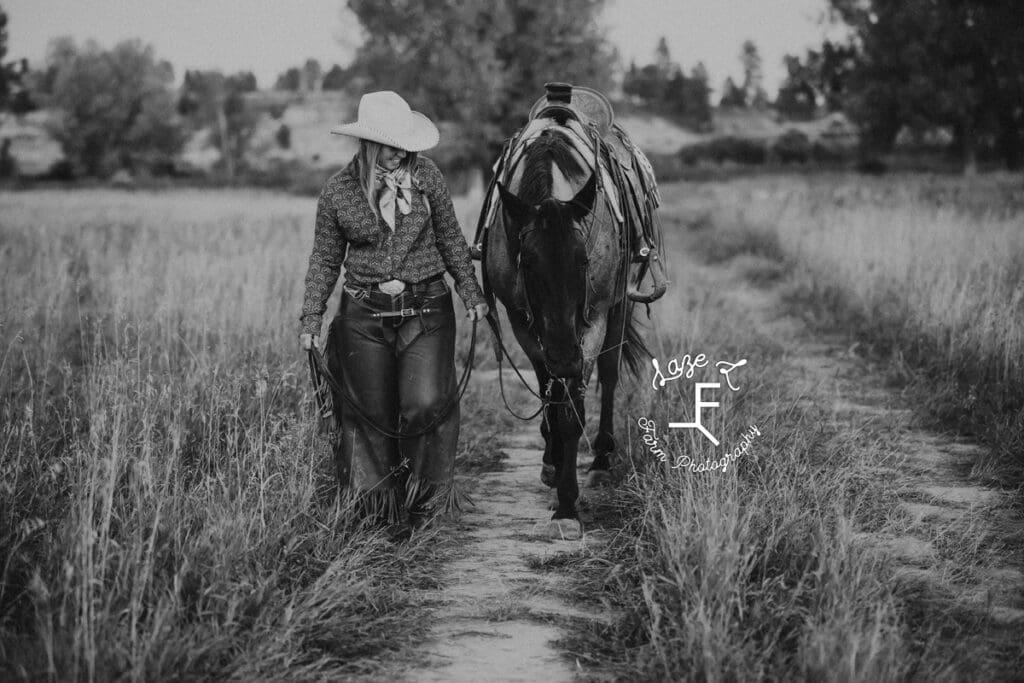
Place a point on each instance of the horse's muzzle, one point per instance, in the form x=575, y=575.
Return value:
x=564, y=366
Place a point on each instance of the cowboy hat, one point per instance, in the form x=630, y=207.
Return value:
x=386, y=118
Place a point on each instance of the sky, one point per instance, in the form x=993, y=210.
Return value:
x=268, y=36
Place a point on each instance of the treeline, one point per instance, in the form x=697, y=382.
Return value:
x=915, y=68
x=663, y=87
x=478, y=68
x=119, y=109
x=810, y=88
x=311, y=77
x=909, y=67
x=916, y=71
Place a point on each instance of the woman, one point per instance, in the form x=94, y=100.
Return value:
x=388, y=216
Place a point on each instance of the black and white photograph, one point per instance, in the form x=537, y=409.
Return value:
x=512, y=340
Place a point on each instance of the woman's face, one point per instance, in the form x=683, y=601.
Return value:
x=390, y=157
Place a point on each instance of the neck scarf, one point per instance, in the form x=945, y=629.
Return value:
x=396, y=189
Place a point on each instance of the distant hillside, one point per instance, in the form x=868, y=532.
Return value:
x=308, y=117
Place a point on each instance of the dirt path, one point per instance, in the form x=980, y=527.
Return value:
x=499, y=611
x=957, y=547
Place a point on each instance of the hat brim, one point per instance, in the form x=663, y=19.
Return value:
x=416, y=134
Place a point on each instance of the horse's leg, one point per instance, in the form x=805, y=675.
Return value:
x=569, y=425
x=552, y=443
x=608, y=377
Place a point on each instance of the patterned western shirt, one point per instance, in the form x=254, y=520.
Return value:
x=425, y=242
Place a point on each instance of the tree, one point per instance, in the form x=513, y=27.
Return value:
x=289, y=80
x=820, y=78
x=209, y=99
x=6, y=75
x=957, y=63
x=13, y=94
x=664, y=87
x=697, y=96
x=798, y=96
x=753, y=76
x=336, y=78
x=479, y=65
x=241, y=82
x=311, y=74
x=116, y=107
x=732, y=96
x=647, y=84
x=663, y=60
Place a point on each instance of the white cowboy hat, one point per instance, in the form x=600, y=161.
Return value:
x=385, y=117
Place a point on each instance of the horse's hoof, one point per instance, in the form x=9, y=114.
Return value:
x=564, y=529
x=598, y=478
x=547, y=475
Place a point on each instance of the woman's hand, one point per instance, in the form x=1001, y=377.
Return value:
x=307, y=341
x=478, y=312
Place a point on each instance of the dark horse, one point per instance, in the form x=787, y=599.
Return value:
x=558, y=260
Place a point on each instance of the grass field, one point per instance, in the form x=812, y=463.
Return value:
x=166, y=503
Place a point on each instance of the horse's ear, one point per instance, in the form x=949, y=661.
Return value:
x=519, y=214
x=519, y=211
x=583, y=203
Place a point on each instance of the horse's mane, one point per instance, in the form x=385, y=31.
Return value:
x=550, y=146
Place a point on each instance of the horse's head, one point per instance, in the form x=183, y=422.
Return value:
x=547, y=239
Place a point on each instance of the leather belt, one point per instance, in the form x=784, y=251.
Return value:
x=404, y=313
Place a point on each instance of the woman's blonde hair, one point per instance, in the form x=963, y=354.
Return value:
x=369, y=153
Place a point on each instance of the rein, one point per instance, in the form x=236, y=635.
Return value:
x=321, y=374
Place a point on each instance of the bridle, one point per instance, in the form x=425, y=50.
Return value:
x=524, y=307
x=587, y=233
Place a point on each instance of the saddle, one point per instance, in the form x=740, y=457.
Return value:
x=586, y=118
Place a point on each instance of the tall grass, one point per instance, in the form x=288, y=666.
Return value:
x=756, y=573
x=928, y=272
x=751, y=573
x=167, y=506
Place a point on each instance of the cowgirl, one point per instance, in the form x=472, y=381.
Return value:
x=388, y=217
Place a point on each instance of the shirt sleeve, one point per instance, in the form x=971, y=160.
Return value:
x=448, y=236
x=329, y=247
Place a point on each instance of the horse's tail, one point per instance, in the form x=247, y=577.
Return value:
x=634, y=348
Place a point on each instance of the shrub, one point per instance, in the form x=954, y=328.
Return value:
x=284, y=136
x=792, y=146
x=726, y=148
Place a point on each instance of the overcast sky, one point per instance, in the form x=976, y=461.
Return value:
x=268, y=36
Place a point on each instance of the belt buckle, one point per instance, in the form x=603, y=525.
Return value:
x=392, y=287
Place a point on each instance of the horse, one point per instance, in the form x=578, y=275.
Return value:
x=558, y=259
